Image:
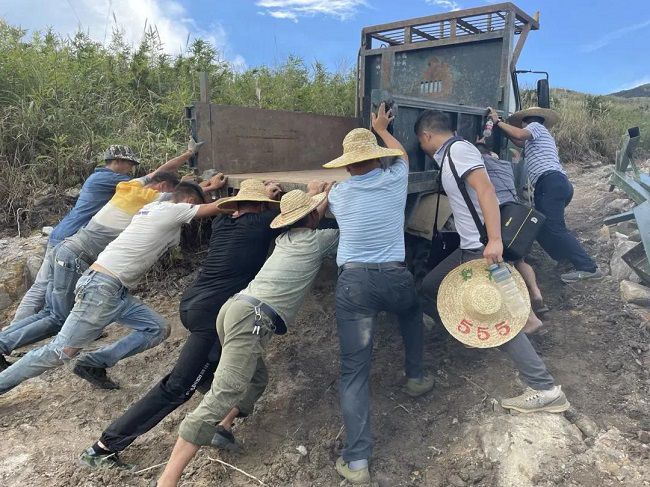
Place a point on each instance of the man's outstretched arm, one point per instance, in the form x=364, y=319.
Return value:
x=172, y=165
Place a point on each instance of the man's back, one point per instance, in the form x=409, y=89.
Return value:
x=369, y=210
x=238, y=249
x=96, y=191
x=288, y=273
x=152, y=231
x=502, y=177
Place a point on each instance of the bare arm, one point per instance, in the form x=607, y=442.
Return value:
x=517, y=135
x=487, y=198
x=210, y=209
x=317, y=187
x=172, y=165
x=380, y=123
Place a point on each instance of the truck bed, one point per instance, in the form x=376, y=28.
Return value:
x=424, y=181
x=291, y=179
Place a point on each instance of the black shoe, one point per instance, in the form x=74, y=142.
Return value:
x=96, y=376
x=224, y=440
x=4, y=364
x=91, y=458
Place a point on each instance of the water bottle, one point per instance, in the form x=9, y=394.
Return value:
x=487, y=130
x=512, y=297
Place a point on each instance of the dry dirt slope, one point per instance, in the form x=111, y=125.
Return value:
x=452, y=437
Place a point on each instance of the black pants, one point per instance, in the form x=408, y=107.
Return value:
x=553, y=192
x=196, y=364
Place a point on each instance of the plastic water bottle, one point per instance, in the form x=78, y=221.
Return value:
x=512, y=297
x=487, y=130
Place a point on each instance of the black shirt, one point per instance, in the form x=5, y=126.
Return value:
x=238, y=249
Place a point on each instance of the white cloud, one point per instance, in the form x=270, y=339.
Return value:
x=613, y=35
x=293, y=9
x=97, y=18
x=446, y=4
x=633, y=84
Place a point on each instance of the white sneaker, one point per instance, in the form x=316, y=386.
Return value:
x=532, y=401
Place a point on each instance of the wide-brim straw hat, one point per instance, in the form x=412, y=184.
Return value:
x=550, y=117
x=361, y=145
x=472, y=309
x=250, y=190
x=295, y=205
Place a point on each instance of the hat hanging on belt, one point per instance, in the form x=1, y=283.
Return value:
x=295, y=205
x=472, y=309
x=361, y=145
x=251, y=190
x=550, y=117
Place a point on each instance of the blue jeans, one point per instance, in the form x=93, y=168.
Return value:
x=65, y=266
x=100, y=300
x=553, y=192
x=360, y=295
x=34, y=298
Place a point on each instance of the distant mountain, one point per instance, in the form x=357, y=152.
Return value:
x=639, y=91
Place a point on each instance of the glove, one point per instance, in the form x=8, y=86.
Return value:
x=193, y=145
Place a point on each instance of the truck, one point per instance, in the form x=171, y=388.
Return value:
x=458, y=62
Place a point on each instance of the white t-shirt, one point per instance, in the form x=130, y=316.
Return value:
x=466, y=158
x=153, y=230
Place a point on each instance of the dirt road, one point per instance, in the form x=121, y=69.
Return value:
x=594, y=347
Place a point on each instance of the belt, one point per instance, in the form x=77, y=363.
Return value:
x=278, y=322
x=371, y=266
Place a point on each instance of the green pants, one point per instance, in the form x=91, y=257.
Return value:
x=241, y=376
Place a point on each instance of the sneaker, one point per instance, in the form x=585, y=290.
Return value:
x=417, y=387
x=4, y=363
x=532, y=401
x=92, y=459
x=575, y=276
x=96, y=376
x=224, y=440
x=353, y=476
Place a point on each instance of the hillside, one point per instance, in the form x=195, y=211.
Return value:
x=641, y=91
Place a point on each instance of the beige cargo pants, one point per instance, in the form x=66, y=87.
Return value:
x=240, y=378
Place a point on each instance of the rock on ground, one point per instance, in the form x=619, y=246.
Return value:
x=20, y=259
x=634, y=293
x=618, y=267
x=520, y=444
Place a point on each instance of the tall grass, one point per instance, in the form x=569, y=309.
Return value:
x=591, y=127
x=62, y=101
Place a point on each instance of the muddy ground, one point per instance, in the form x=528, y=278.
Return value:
x=595, y=347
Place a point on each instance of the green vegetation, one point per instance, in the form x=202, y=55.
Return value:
x=62, y=101
x=591, y=127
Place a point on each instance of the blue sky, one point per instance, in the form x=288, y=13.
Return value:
x=596, y=46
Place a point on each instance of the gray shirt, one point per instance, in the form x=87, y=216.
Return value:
x=287, y=276
x=502, y=177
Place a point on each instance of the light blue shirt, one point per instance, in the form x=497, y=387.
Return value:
x=369, y=210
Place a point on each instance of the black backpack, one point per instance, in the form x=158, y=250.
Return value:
x=520, y=223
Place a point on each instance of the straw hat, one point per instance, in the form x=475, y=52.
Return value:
x=361, y=145
x=295, y=205
x=472, y=309
x=550, y=116
x=249, y=190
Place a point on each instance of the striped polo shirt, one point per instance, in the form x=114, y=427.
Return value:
x=540, y=153
x=369, y=210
